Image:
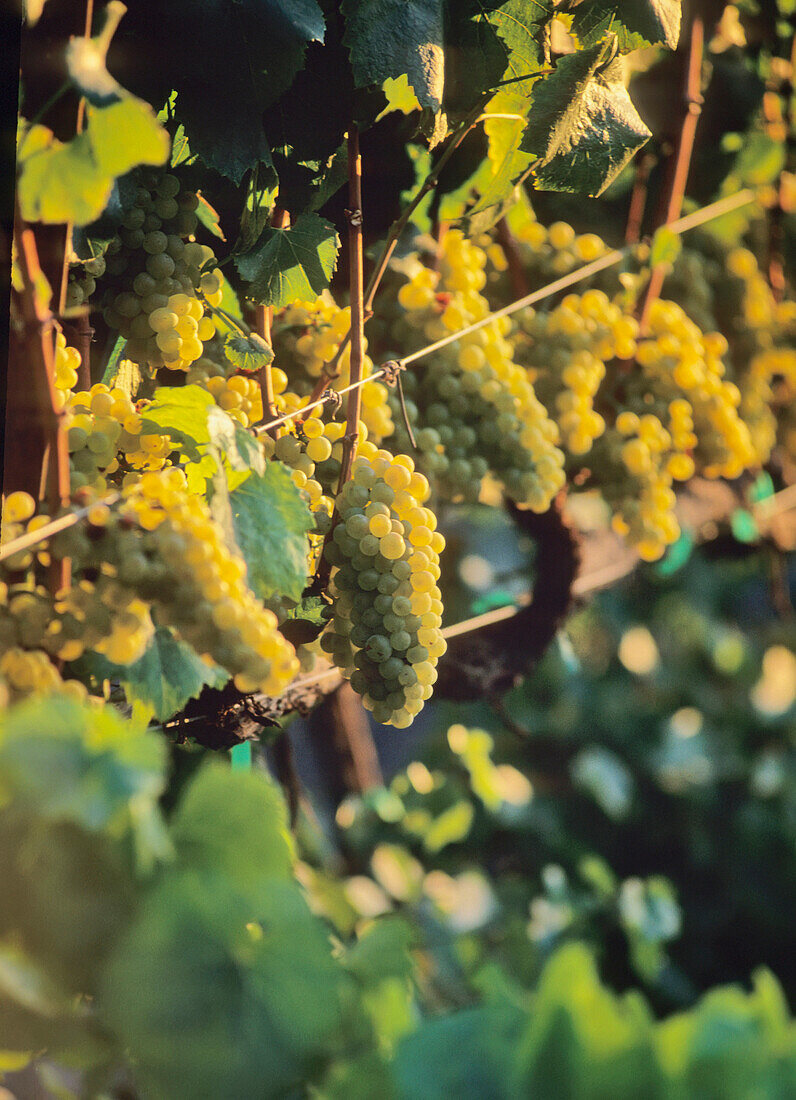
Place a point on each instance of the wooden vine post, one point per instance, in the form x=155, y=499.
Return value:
x=682, y=159
x=356, y=297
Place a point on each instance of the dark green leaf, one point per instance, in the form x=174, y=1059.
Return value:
x=248, y=53
x=306, y=620
x=636, y=23
x=289, y=265
x=467, y=1054
x=583, y=126
x=475, y=57
x=392, y=38
x=234, y=823
x=271, y=524
x=207, y=990
x=248, y=352
x=168, y=674
x=77, y=764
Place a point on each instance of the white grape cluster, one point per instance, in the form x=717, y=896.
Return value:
x=473, y=407
x=385, y=633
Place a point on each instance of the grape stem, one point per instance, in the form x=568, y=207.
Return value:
x=682, y=160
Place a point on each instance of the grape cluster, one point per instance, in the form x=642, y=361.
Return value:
x=306, y=338
x=105, y=437
x=152, y=275
x=385, y=634
x=474, y=409
x=166, y=548
x=549, y=252
x=82, y=281
x=566, y=351
x=312, y=451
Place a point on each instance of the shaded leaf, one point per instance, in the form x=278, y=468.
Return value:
x=467, y=1054
x=392, y=38
x=636, y=23
x=249, y=53
x=235, y=824
x=289, y=265
x=271, y=523
x=206, y=990
x=583, y=126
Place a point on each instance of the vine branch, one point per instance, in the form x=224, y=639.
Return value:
x=682, y=160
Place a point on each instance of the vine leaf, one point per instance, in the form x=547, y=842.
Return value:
x=248, y=352
x=475, y=56
x=182, y=413
x=163, y=679
x=636, y=23
x=392, y=38
x=288, y=265
x=271, y=522
x=248, y=53
x=226, y=961
x=583, y=125
x=218, y=808
x=73, y=181
x=520, y=25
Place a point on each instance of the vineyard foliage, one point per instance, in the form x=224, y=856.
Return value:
x=231, y=464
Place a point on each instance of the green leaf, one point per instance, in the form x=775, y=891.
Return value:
x=164, y=678
x=580, y=1034
x=467, y=1054
x=235, y=824
x=182, y=413
x=450, y=827
x=583, y=126
x=393, y=38
x=73, y=182
x=666, y=247
x=290, y=265
x=382, y=951
x=60, y=183
x=125, y=134
x=306, y=620
x=249, y=53
x=507, y=161
x=215, y=995
x=248, y=352
x=208, y=217
x=520, y=24
x=77, y=764
x=271, y=523
x=636, y=23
